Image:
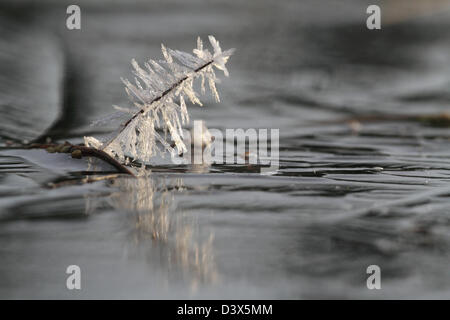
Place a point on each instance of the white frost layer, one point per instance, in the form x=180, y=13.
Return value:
x=159, y=96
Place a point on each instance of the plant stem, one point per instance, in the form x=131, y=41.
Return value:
x=162, y=95
x=89, y=152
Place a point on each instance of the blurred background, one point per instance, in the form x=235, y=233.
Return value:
x=364, y=175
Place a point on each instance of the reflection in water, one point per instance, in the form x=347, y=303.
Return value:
x=159, y=229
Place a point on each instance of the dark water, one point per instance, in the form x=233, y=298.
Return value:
x=345, y=196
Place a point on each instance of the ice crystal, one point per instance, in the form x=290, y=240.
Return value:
x=159, y=96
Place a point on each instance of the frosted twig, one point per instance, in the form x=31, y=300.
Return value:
x=158, y=96
x=83, y=151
